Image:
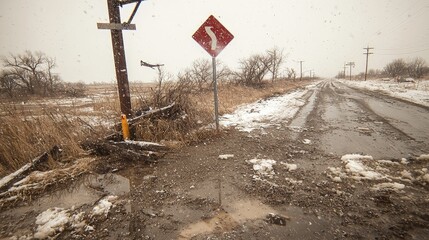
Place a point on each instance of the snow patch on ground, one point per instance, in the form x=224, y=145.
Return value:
x=415, y=92
x=388, y=186
x=289, y=166
x=423, y=157
x=364, y=168
x=425, y=178
x=354, y=166
x=103, y=206
x=356, y=157
x=143, y=143
x=225, y=156
x=293, y=181
x=265, y=113
x=50, y=222
x=53, y=221
x=263, y=167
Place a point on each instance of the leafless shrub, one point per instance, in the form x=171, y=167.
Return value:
x=276, y=58
x=417, y=68
x=396, y=68
x=253, y=69
x=73, y=89
x=32, y=72
x=291, y=74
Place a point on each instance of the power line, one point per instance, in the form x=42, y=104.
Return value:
x=405, y=53
x=390, y=26
x=408, y=48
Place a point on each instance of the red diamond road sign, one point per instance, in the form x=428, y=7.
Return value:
x=212, y=36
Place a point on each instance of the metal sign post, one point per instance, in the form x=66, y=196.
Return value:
x=213, y=37
x=216, y=104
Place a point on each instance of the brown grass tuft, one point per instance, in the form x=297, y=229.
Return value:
x=25, y=136
x=28, y=130
x=196, y=109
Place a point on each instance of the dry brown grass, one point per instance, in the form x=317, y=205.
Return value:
x=196, y=111
x=28, y=132
x=231, y=96
x=25, y=136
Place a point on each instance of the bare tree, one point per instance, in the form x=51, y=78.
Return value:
x=50, y=79
x=396, y=68
x=417, y=68
x=27, y=68
x=7, y=84
x=32, y=72
x=276, y=58
x=223, y=72
x=291, y=74
x=253, y=70
x=163, y=77
x=201, y=72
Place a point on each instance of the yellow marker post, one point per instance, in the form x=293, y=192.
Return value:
x=125, y=128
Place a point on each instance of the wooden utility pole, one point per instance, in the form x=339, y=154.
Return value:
x=345, y=66
x=367, y=54
x=115, y=26
x=119, y=57
x=351, y=64
x=300, y=67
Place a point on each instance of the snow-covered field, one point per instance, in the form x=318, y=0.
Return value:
x=417, y=92
x=96, y=110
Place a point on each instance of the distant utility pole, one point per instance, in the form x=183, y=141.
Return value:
x=300, y=67
x=311, y=74
x=345, y=66
x=367, y=54
x=350, y=64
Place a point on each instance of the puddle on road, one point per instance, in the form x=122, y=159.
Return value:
x=227, y=219
x=86, y=190
x=251, y=213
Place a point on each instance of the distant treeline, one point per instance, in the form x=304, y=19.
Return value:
x=31, y=74
x=398, y=68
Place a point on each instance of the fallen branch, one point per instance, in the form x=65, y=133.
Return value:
x=36, y=182
x=147, y=114
x=10, y=179
x=142, y=146
x=150, y=113
x=126, y=152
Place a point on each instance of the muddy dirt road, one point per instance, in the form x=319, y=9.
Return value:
x=371, y=123
x=349, y=165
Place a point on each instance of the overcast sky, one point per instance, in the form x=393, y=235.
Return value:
x=323, y=34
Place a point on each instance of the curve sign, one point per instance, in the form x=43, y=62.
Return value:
x=212, y=36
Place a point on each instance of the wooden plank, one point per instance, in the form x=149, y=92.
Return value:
x=116, y=26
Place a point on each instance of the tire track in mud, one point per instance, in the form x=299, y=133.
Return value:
x=388, y=102
x=345, y=123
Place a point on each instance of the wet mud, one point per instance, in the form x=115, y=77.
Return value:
x=193, y=194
